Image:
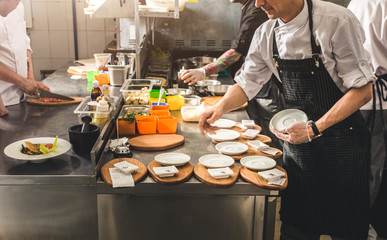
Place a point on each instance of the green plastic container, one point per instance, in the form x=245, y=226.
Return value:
x=154, y=93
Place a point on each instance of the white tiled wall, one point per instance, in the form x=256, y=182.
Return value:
x=52, y=36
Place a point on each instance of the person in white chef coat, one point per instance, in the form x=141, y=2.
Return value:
x=372, y=14
x=16, y=71
x=315, y=49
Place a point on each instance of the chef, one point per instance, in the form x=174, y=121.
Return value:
x=372, y=14
x=315, y=49
x=16, y=71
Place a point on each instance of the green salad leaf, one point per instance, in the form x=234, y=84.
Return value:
x=44, y=149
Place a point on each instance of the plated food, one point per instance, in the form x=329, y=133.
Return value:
x=38, y=148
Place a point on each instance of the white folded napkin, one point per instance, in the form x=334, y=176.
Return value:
x=250, y=133
x=219, y=173
x=126, y=167
x=167, y=171
x=272, y=174
x=120, y=179
x=248, y=123
x=262, y=147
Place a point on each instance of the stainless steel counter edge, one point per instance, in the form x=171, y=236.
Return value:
x=48, y=180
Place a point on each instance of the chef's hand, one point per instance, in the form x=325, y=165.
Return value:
x=209, y=117
x=295, y=134
x=43, y=87
x=29, y=87
x=191, y=76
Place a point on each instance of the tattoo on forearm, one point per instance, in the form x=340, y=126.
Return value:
x=222, y=62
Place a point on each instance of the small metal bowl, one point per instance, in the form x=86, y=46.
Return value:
x=179, y=91
x=218, y=90
x=202, y=86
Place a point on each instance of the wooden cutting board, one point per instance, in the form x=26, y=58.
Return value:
x=156, y=142
x=253, y=177
x=137, y=175
x=185, y=172
x=201, y=172
x=36, y=101
x=212, y=100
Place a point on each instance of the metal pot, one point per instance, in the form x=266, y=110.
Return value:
x=201, y=61
x=183, y=62
x=202, y=86
x=179, y=91
x=218, y=90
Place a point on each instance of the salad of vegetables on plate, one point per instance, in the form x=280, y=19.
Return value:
x=29, y=148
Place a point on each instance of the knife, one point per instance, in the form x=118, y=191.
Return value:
x=53, y=95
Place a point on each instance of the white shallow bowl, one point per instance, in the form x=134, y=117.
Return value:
x=216, y=161
x=258, y=162
x=286, y=118
x=231, y=148
x=224, y=123
x=176, y=159
x=224, y=135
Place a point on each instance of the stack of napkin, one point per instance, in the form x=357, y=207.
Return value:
x=273, y=176
x=219, y=173
x=168, y=171
x=121, y=174
x=262, y=147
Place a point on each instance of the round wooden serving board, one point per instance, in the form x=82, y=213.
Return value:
x=36, y=101
x=201, y=172
x=253, y=177
x=137, y=175
x=212, y=100
x=156, y=142
x=185, y=172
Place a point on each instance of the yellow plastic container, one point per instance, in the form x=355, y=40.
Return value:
x=175, y=102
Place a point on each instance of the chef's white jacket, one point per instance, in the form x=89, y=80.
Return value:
x=372, y=15
x=336, y=30
x=14, y=43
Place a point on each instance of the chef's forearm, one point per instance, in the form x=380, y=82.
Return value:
x=348, y=104
x=224, y=61
x=233, y=99
x=10, y=76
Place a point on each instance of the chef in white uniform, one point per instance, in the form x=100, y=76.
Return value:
x=16, y=72
x=372, y=14
x=315, y=48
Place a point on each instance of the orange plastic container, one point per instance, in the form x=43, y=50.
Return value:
x=103, y=78
x=146, y=124
x=159, y=110
x=125, y=127
x=166, y=124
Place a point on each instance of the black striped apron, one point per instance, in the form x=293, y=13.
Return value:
x=328, y=177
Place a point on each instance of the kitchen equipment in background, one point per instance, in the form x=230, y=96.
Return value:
x=170, y=4
x=101, y=59
x=218, y=90
x=118, y=74
x=201, y=86
x=201, y=61
x=179, y=91
x=184, y=63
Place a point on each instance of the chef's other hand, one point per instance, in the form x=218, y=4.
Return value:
x=43, y=87
x=191, y=76
x=295, y=134
x=3, y=109
x=207, y=118
x=30, y=87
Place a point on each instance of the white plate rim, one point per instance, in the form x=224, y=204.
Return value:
x=230, y=160
x=229, y=123
x=277, y=115
x=218, y=147
x=13, y=149
x=245, y=160
x=213, y=136
x=186, y=159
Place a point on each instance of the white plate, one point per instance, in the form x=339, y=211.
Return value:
x=286, y=118
x=176, y=159
x=224, y=123
x=224, y=135
x=216, y=161
x=231, y=148
x=258, y=162
x=13, y=149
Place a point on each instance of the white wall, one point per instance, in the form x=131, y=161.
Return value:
x=52, y=38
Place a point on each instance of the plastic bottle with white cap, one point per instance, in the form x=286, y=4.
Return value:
x=102, y=114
